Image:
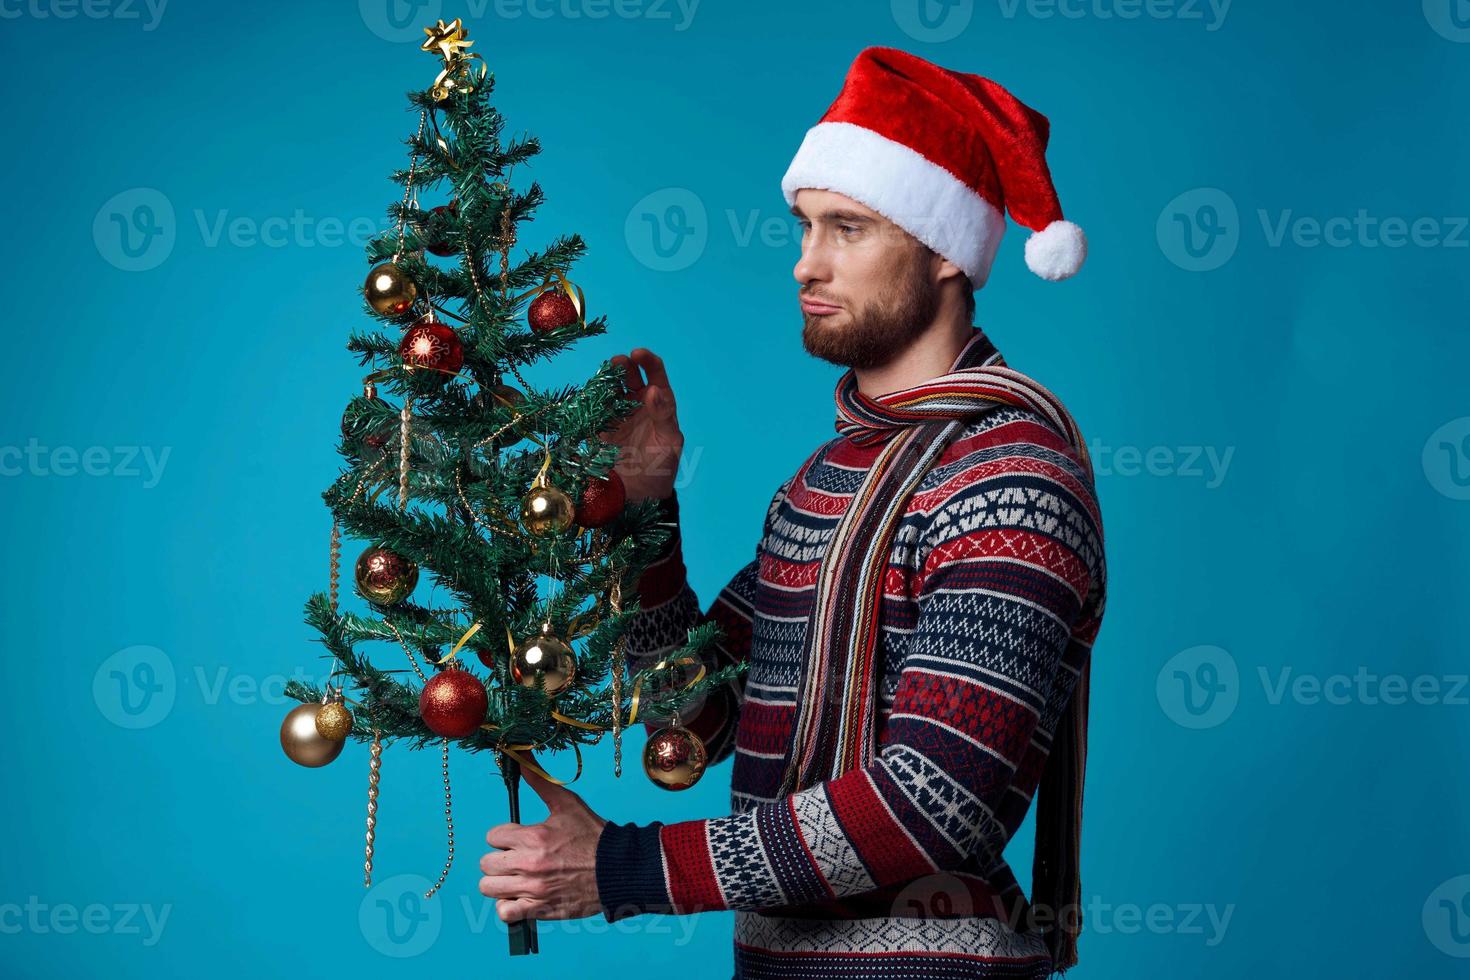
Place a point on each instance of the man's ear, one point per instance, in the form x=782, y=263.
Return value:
x=945, y=270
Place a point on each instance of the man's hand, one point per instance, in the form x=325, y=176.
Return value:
x=650, y=439
x=545, y=870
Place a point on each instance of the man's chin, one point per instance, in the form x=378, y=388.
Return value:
x=829, y=338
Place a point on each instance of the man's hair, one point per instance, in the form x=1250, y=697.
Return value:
x=969, y=302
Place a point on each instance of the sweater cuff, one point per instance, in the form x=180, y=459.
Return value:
x=665, y=575
x=630, y=871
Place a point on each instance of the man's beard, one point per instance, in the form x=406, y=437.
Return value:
x=878, y=332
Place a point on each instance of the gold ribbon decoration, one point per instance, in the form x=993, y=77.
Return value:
x=462, y=640
x=515, y=750
x=450, y=40
x=451, y=43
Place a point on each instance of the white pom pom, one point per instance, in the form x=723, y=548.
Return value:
x=1056, y=251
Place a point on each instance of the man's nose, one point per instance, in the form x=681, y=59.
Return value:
x=811, y=266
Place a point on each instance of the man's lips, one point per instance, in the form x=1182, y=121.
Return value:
x=817, y=308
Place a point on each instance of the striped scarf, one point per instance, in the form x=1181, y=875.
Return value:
x=836, y=702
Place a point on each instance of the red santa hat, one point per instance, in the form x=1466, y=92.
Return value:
x=943, y=155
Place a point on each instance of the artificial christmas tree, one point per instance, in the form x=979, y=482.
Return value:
x=505, y=496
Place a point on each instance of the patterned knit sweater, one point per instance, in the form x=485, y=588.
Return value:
x=994, y=595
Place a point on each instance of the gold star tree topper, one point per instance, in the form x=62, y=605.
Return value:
x=448, y=40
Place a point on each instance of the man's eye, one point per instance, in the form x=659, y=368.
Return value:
x=849, y=229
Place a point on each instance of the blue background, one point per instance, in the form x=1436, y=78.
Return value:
x=160, y=301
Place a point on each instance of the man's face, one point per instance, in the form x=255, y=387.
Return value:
x=867, y=287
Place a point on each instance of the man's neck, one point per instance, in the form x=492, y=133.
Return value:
x=929, y=357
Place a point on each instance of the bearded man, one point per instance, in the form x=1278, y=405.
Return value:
x=919, y=614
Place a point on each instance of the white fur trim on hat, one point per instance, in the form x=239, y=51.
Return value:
x=918, y=195
x=1056, y=251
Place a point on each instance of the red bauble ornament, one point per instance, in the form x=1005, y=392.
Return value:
x=453, y=703
x=602, y=500
x=431, y=344
x=552, y=310
x=437, y=219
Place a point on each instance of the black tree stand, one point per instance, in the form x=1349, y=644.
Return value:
x=522, y=933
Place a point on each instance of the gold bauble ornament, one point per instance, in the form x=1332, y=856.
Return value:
x=303, y=744
x=674, y=758
x=389, y=290
x=544, y=659
x=546, y=510
x=384, y=576
x=334, y=721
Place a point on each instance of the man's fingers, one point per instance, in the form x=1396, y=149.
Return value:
x=652, y=365
x=504, y=887
x=632, y=379
x=516, y=909
x=551, y=794
x=502, y=863
x=658, y=401
x=507, y=835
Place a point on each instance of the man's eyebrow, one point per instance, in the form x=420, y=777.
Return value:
x=837, y=214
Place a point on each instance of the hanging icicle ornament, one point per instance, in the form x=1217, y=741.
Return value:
x=375, y=767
